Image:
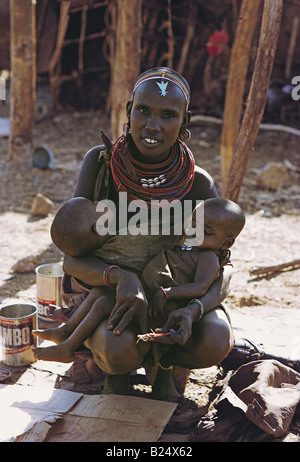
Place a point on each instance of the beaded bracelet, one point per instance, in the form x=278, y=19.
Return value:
x=200, y=304
x=165, y=293
x=105, y=275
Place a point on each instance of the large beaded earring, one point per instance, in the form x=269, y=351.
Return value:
x=184, y=134
x=127, y=131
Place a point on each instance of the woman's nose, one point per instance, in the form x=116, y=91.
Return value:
x=153, y=123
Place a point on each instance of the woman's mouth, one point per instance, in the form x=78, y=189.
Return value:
x=150, y=141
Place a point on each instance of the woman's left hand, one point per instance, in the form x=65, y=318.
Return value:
x=180, y=321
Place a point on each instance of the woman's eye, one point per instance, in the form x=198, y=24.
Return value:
x=168, y=115
x=143, y=110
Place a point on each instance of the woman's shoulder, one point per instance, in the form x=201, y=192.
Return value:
x=201, y=174
x=93, y=153
x=88, y=173
x=204, y=186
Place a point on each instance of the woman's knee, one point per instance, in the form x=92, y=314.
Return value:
x=115, y=354
x=217, y=337
x=211, y=341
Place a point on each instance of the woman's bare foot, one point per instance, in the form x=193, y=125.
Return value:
x=163, y=388
x=59, y=353
x=55, y=334
x=116, y=384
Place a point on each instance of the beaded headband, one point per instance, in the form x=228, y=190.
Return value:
x=165, y=75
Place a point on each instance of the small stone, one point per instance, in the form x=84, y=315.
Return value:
x=41, y=206
x=272, y=176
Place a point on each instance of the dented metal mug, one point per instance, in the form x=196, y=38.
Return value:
x=17, y=321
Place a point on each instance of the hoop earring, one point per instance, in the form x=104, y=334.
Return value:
x=185, y=134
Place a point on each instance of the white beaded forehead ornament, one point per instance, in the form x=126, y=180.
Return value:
x=164, y=75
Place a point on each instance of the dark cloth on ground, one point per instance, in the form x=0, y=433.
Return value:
x=255, y=403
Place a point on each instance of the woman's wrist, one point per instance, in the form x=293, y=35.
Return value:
x=167, y=293
x=112, y=275
x=198, y=309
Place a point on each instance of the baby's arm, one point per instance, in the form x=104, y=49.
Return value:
x=206, y=272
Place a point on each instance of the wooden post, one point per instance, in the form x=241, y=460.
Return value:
x=235, y=88
x=257, y=97
x=23, y=82
x=126, y=64
x=291, y=47
x=55, y=64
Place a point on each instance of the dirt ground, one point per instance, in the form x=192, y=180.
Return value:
x=264, y=309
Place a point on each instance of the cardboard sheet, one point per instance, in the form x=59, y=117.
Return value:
x=35, y=414
x=22, y=408
x=113, y=418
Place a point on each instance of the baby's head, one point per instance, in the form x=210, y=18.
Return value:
x=223, y=222
x=73, y=229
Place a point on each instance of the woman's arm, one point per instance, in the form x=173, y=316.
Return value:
x=89, y=269
x=218, y=291
x=131, y=300
x=182, y=319
x=88, y=173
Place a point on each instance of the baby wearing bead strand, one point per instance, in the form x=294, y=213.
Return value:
x=170, y=280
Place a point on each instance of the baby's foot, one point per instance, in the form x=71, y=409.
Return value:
x=57, y=353
x=55, y=334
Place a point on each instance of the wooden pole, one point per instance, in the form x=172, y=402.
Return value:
x=260, y=270
x=257, y=97
x=190, y=32
x=54, y=65
x=235, y=88
x=291, y=47
x=23, y=82
x=126, y=64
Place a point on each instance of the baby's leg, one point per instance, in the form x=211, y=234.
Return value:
x=64, y=352
x=61, y=333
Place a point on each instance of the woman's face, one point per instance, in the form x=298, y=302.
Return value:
x=155, y=120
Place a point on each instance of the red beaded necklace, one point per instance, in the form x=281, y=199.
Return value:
x=170, y=180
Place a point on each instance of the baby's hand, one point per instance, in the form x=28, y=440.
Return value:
x=157, y=303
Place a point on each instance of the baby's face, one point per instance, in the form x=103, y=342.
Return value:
x=215, y=233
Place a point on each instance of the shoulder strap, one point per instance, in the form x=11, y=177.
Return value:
x=102, y=183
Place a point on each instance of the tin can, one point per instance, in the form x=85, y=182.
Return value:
x=17, y=322
x=48, y=287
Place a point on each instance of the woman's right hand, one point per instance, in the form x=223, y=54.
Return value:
x=131, y=302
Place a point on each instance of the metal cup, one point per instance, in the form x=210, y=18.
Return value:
x=16, y=324
x=48, y=286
